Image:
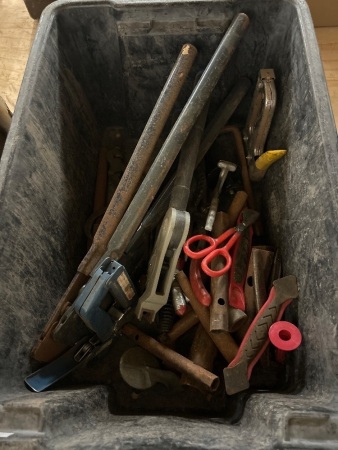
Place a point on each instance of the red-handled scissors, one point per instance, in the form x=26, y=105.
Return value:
x=211, y=252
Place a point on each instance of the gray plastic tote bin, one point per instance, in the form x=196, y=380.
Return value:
x=96, y=64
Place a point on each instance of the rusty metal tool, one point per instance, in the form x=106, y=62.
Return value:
x=236, y=133
x=160, y=205
x=258, y=125
x=111, y=165
x=223, y=317
x=238, y=372
x=212, y=251
x=173, y=231
x=219, y=308
x=46, y=348
x=250, y=289
x=262, y=261
x=219, y=286
x=176, y=222
x=223, y=341
x=171, y=358
x=140, y=157
x=239, y=267
x=176, y=138
x=228, y=220
x=141, y=370
x=203, y=352
x=237, y=205
x=261, y=112
x=188, y=321
x=225, y=167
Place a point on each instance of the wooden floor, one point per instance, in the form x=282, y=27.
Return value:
x=17, y=31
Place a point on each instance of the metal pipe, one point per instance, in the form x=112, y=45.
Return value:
x=203, y=377
x=140, y=158
x=203, y=352
x=186, y=165
x=161, y=203
x=46, y=348
x=219, y=286
x=223, y=341
x=179, y=133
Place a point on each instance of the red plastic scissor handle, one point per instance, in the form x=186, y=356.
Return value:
x=205, y=264
x=223, y=252
x=213, y=243
x=201, y=253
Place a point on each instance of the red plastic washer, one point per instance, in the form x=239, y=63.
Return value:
x=285, y=336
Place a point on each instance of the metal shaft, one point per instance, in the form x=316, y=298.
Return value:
x=223, y=341
x=227, y=109
x=46, y=348
x=219, y=286
x=203, y=352
x=140, y=157
x=174, y=142
x=186, y=165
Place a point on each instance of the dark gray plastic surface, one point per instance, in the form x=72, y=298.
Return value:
x=99, y=64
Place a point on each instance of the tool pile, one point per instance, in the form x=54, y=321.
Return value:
x=179, y=274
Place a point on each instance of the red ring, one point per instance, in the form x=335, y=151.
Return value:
x=285, y=336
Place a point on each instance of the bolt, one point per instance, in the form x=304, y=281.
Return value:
x=225, y=167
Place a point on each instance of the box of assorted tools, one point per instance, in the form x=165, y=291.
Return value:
x=168, y=231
